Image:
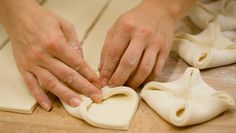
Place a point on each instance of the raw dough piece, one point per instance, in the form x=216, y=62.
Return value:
x=207, y=49
x=81, y=13
x=186, y=101
x=222, y=12
x=115, y=111
x=14, y=94
x=96, y=38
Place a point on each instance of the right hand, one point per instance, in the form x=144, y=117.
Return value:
x=48, y=55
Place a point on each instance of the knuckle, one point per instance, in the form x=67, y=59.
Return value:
x=80, y=65
x=69, y=77
x=114, y=56
x=127, y=22
x=52, y=43
x=66, y=94
x=144, y=31
x=146, y=68
x=50, y=84
x=128, y=62
x=37, y=54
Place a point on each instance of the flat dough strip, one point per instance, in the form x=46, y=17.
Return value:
x=81, y=13
x=14, y=94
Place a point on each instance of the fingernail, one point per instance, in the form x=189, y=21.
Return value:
x=45, y=106
x=104, y=82
x=74, y=102
x=97, y=97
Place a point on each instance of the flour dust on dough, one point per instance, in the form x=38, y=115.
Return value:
x=186, y=101
x=207, y=49
x=116, y=111
x=222, y=12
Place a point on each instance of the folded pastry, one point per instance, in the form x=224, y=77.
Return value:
x=222, y=12
x=114, y=112
x=208, y=49
x=186, y=101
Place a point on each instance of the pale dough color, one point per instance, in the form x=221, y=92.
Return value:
x=208, y=49
x=222, y=12
x=14, y=94
x=186, y=101
x=115, y=111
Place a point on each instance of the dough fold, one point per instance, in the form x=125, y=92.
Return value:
x=207, y=49
x=222, y=12
x=115, y=111
x=186, y=101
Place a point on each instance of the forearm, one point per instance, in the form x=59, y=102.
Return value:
x=10, y=10
x=176, y=8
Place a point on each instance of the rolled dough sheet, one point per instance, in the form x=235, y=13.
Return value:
x=3, y=36
x=114, y=112
x=186, y=101
x=14, y=94
x=81, y=13
x=208, y=49
x=93, y=44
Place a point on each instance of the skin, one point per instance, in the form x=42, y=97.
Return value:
x=135, y=50
x=138, y=44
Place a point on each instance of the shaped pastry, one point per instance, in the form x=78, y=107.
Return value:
x=222, y=12
x=207, y=49
x=114, y=112
x=186, y=101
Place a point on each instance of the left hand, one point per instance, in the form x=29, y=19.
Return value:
x=137, y=46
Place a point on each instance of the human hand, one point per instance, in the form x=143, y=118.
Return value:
x=137, y=46
x=48, y=55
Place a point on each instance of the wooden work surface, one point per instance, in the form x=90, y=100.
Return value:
x=145, y=120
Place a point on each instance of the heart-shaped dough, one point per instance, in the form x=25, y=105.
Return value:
x=222, y=12
x=186, y=101
x=208, y=49
x=114, y=112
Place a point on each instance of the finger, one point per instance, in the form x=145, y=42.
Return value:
x=51, y=83
x=36, y=90
x=73, y=79
x=108, y=40
x=129, y=61
x=71, y=36
x=144, y=69
x=74, y=60
x=114, y=52
x=160, y=62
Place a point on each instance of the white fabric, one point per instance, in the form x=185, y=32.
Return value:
x=186, y=101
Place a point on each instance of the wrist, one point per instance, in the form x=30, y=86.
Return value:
x=176, y=9
x=15, y=10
